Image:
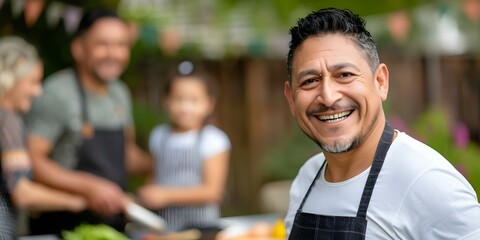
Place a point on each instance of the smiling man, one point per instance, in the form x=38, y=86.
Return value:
x=81, y=134
x=371, y=181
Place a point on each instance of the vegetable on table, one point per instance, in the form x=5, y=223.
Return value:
x=93, y=232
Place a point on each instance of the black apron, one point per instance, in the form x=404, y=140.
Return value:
x=102, y=154
x=319, y=227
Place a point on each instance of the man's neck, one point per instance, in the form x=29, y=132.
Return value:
x=90, y=83
x=341, y=167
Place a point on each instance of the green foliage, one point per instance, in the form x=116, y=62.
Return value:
x=285, y=159
x=287, y=10
x=434, y=129
x=470, y=159
x=146, y=118
x=93, y=232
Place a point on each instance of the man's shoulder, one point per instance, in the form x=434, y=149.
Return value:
x=410, y=152
x=59, y=94
x=60, y=86
x=419, y=174
x=418, y=168
x=61, y=79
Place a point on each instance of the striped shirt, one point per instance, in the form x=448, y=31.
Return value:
x=15, y=164
x=179, y=159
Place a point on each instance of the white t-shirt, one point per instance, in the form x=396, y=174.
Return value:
x=213, y=140
x=418, y=195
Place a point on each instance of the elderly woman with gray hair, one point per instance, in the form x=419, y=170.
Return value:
x=21, y=72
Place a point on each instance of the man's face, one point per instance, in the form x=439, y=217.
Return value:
x=334, y=96
x=104, y=50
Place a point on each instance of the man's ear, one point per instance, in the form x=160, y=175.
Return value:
x=381, y=81
x=76, y=49
x=287, y=91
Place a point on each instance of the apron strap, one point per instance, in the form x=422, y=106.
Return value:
x=311, y=186
x=381, y=152
x=83, y=100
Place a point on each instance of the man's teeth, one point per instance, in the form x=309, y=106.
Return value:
x=335, y=117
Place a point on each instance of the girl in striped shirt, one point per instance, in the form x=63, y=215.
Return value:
x=191, y=157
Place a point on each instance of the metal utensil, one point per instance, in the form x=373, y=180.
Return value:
x=145, y=217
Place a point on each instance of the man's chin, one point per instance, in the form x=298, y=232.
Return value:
x=108, y=78
x=338, y=146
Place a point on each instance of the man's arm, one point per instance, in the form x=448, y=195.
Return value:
x=137, y=160
x=35, y=196
x=102, y=195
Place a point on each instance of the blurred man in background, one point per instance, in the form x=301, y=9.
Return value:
x=81, y=133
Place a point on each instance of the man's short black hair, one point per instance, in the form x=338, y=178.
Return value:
x=329, y=21
x=92, y=16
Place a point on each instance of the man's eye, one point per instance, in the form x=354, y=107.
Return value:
x=345, y=75
x=308, y=81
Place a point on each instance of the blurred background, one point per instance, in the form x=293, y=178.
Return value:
x=430, y=46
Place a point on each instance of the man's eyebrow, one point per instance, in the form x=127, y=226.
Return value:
x=308, y=72
x=330, y=68
x=342, y=65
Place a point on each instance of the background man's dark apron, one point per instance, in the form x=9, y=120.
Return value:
x=319, y=227
x=102, y=154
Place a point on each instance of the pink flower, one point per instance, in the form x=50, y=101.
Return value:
x=461, y=135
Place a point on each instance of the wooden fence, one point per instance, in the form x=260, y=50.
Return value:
x=254, y=113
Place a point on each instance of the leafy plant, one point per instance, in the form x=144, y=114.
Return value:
x=93, y=232
x=435, y=131
x=285, y=159
x=146, y=118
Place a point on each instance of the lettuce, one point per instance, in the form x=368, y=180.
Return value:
x=93, y=232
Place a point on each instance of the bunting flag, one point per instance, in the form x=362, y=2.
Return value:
x=17, y=7
x=449, y=37
x=71, y=17
x=32, y=10
x=398, y=24
x=175, y=27
x=471, y=8
x=170, y=40
x=54, y=13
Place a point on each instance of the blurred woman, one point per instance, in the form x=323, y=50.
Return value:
x=21, y=72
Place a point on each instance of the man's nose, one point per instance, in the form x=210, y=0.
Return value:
x=328, y=92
